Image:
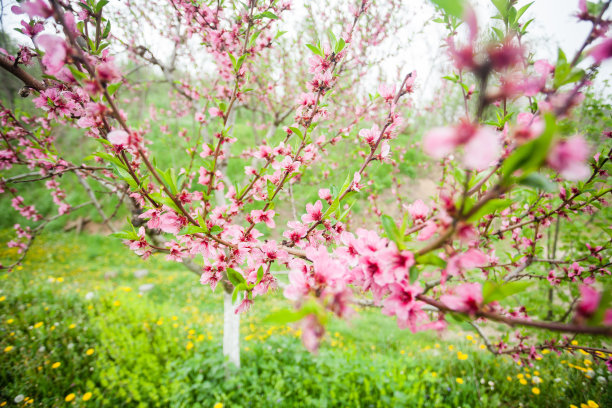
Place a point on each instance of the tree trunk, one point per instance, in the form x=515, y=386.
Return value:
x=231, y=330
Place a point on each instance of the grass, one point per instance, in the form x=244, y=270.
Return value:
x=76, y=302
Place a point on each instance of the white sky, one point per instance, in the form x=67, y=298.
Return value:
x=554, y=25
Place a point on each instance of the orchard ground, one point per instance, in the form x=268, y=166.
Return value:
x=78, y=327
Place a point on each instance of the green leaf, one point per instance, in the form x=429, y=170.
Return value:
x=237, y=289
x=431, y=259
x=129, y=235
x=452, y=7
x=393, y=233
x=502, y=7
x=538, y=181
x=531, y=155
x=490, y=207
x=106, y=30
x=235, y=277
x=215, y=230
x=260, y=274
x=316, y=50
x=414, y=274
x=285, y=316
x=267, y=14
x=112, y=88
x=193, y=229
x=100, y=5
x=492, y=291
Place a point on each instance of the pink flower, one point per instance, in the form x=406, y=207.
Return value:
x=171, y=223
x=470, y=259
x=266, y=217
x=569, y=157
x=402, y=303
x=34, y=8
x=481, y=144
x=418, y=210
x=315, y=213
x=589, y=301
x=312, y=333
x=387, y=92
x=602, y=51
x=118, y=138
x=325, y=194
x=244, y=306
x=465, y=298
x=370, y=136
x=210, y=277
x=427, y=232
x=56, y=51
x=482, y=150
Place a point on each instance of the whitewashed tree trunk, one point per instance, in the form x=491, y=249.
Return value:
x=231, y=320
x=231, y=331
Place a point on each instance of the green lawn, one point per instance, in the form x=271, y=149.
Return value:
x=76, y=331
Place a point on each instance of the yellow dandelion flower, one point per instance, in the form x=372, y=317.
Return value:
x=592, y=404
x=56, y=364
x=459, y=380
x=8, y=348
x=535, y=390
x=160, y=322
x=72, y=326
x=468, y=337
x=218, y=405
x=87, y=396
x=249, y=337
x=587, y=362
x=509, y=378
x=462, y=356
x=536, y=373
x=451, y=348
x=89, y=352
x=174, y=318
x=573, y=406
x=574, y=343
x=584, y=406
x=189, y=346
x=434, y=374
x=37, y=325
x=117, y=303
x=60, y=280
x=402, y=352
x=521, y=375
x=482, y=347
x=545, y=351
x=70, y=397
x=2, y=299
x=9, y=321
x=523, y=381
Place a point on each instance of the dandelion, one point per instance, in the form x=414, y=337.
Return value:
x=39, y=324
x=2, y=299
x=451, y=348
x=468, y=337
x=72, y=326
x=592, y=404
x=70, y=397
x=482, y=347
x=218, y=405
x=459, y=380
x=56, y=364
x=8, y=348
x=89, y=352
x=523, y=381
x=189, y=346
x=402, y=352
x=9, y=321
x=509, y=378
x=535, y=390
x=87, y=396
x=462, y=356
x=117, y=303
